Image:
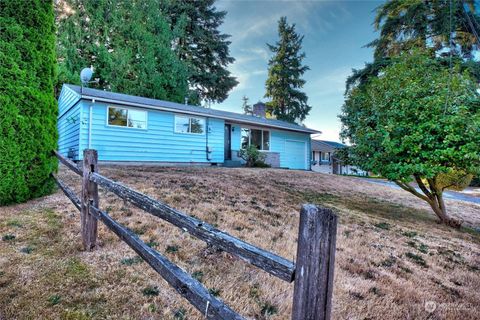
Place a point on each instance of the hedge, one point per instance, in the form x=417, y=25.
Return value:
x=28, y=110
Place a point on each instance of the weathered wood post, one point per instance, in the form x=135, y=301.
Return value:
x=89, y=196
x=312, y=296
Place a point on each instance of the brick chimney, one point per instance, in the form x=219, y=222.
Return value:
x=259, y=109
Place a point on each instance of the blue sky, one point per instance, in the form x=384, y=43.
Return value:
x=335, y=32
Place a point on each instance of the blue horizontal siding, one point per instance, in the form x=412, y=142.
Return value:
x=68, y=123
x=159, y=142
x=66, y=100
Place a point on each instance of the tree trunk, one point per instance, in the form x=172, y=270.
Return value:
x=434, y=197
x=438, y=206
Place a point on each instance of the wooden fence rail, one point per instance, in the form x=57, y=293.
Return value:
x=313, y=273
x=271, y=263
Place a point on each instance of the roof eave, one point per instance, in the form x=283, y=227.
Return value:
x=96, y=98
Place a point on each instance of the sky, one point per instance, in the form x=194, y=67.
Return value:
x=334, y=35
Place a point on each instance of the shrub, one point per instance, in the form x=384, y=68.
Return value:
x=214, y=292
x=54, y=299
x=151, y=291
x=417, y=259
x=383, y=225
x=131, y=261
x=8, y=237
x=28, y=108
x=253, y=157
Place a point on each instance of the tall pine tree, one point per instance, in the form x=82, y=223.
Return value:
x=246, y=107
x=129, y=44
x=28, y=111
x=448, y=27
x=202, y=46
x=285, y=71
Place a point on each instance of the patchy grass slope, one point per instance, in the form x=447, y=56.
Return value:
x=392, y=256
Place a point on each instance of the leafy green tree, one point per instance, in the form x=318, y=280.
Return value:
x=28, y=111
x=202, y=46
x=285, y=71
x=343, y=154
x=127, y=42
x=444, y=26
x=416, y=122
x=246, y=107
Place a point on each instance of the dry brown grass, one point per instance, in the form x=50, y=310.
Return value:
x=392, y=256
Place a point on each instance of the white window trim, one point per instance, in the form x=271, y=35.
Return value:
x=127, y=108
x=189, y=124
x=250, y=137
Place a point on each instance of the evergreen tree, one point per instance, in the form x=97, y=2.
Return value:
x=448, y=27
x=129, y=44
x=202, y=46
x=247, y=108
x=28, y=110
x=284, y=81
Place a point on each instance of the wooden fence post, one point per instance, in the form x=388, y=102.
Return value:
x=89, y=196
x=312, y=296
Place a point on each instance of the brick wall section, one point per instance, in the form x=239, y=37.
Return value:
x=273, y=159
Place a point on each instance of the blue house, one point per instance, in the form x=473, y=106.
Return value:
x=125, y=128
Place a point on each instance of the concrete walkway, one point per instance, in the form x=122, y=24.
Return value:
x=453, y=195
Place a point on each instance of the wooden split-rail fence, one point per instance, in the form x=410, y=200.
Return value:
x=312, y=272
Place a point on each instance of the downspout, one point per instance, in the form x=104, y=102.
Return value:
x=207, y=148
x=90, y=116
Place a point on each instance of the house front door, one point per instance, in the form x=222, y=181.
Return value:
x=228, y=142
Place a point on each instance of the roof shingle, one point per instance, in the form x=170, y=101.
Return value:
x=113, y=97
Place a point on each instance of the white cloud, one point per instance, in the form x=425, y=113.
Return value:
x=250, y=26
x=330, y=83
x=259, y=72
x=245, y=73
x=242, y=77
x=256, y=53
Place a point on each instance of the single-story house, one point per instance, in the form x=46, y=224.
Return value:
x=130, y=129
x=325, y=161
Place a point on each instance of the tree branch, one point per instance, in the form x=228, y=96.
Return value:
x=412, y=190
x=433, y=186
x=422, y=186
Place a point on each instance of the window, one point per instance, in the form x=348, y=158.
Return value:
x=266, y=140
x=125, y=117
x=189, y=125
x=255, y=137
x=245, y=140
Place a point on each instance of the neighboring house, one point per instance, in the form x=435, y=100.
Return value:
x=325, y=161
x=125, y=128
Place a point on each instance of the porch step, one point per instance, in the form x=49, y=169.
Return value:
x=232, y=163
